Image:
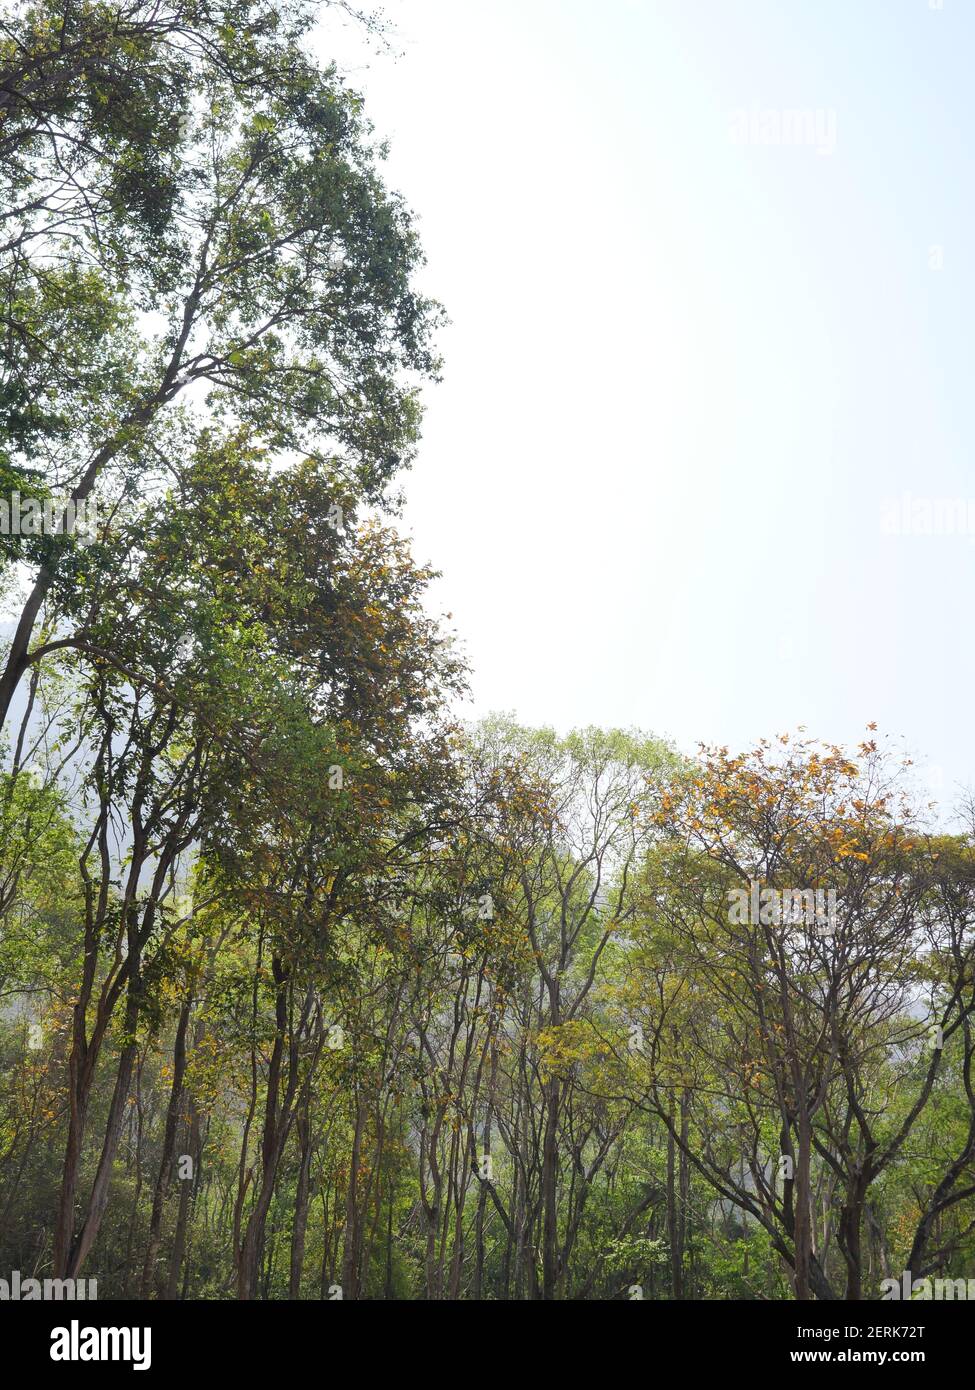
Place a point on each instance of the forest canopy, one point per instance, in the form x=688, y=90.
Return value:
x=309, y=989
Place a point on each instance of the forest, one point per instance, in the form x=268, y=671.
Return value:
x=312, y=988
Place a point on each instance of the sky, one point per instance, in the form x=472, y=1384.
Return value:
x=708, y=270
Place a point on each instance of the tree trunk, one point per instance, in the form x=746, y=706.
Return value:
x=550, y=1214
x=301, y=1207
x=169, y=1148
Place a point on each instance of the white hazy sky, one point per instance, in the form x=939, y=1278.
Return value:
x=685, y=374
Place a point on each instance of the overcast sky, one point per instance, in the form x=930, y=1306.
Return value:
x=709, y=274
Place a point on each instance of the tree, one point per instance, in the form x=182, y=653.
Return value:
x=219, y=236
x=786, y=1011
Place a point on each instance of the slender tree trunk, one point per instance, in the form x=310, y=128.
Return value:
x=803, y=1208
x=301, y=1206
x=98, y=1200
x=350, y=1247
x=186, y=1191
x=389, y=1288
x=673, y=1221
x=550, y=1213
x=164, y=1175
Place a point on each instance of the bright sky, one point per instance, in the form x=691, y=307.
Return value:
x=688, y=367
